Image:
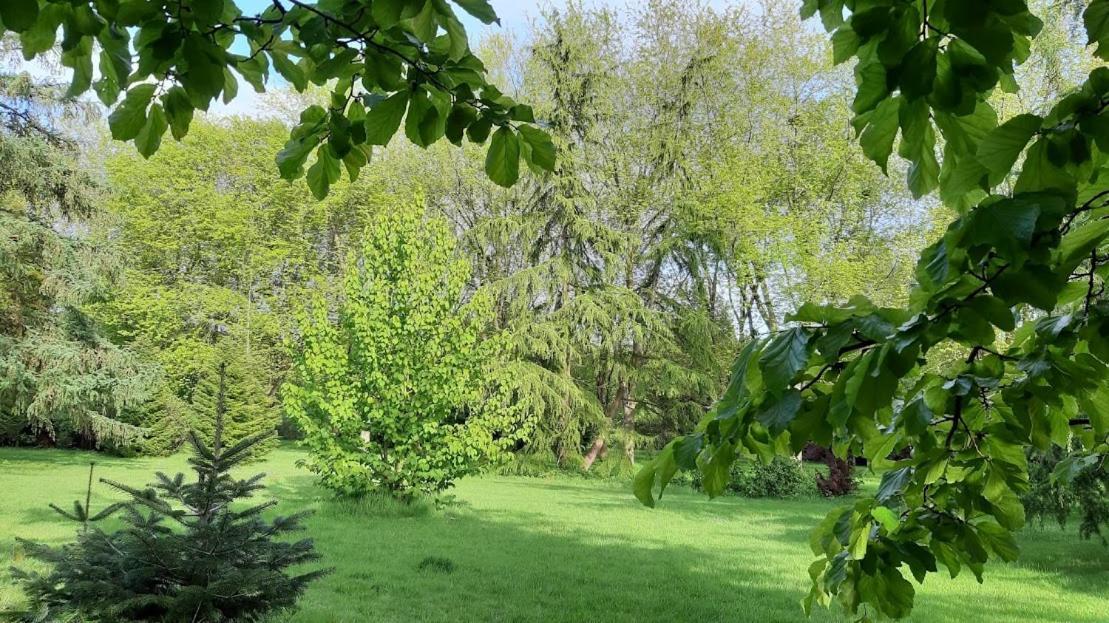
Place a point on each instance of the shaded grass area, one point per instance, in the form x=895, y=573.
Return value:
x=561, y=549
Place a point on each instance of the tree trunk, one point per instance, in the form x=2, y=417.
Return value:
x=629, y=428
x=597, y=451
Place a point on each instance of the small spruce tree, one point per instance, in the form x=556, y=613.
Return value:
x=187, y=552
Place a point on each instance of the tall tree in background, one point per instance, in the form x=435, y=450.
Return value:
x=634, y=260
x=60, y=379
x=218, y=248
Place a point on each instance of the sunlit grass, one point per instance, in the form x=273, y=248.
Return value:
x=564, y=549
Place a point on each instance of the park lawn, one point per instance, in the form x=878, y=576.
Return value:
x=563, y=549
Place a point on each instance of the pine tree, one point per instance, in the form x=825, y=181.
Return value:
x=187, y=552
x=248, y=410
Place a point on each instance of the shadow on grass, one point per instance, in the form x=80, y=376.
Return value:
x=520, y=565
x=592, y=553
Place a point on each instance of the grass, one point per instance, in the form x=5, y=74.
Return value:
x=563, y=549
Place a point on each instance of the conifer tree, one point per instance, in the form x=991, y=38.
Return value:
x=248, y=411
x=187, y=551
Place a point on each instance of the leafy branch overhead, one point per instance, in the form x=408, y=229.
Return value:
x=386, y=61
x=1016, y=283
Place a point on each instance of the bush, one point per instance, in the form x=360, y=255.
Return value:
x=781, y=478
x=392, y=383
x=186, y=551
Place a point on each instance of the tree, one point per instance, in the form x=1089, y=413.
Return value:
x=1016, y=283
x=247, y=410
x=61, y=380
x=381, y=58
x=221, y=562
x=392, y=384
x=217, y=248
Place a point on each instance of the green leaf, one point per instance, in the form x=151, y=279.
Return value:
x=877, y=138
x=326, y=171
x=383, y=71
x=383, y=120
x=893, y=482
x=717, y=472
x=1040, y=173
x=1096, y=20
x=129, y=117
x=783, y=358
x=478, y=131
x=845, y=42
x=1076, y=245
x=1006, y=225
x=886, y=517
x=179, y=111
x=999, y=540
x=502, y=162
x=1034, y=284
x=778, y=416
x=290, y=160
x=916, y=416
x=995, y=310
x=1006, y=505
x=480, y=9
x=79, y=59
x=424, y=23
x=918, y=69
x=462, y=115
x=644, y=483
x=387, y=12
x=150, y=137
x=871, y=79
x=1070, y=467
x=207, y=12
x=542, y=152
x=999, y=150
x=19, y=15
x=687, y=449
x=289, y=70
x=203, y=76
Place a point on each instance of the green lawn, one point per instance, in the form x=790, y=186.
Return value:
x=562, y=549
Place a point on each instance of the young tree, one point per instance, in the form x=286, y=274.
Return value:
x=382, y=58
x=220, y=562
x=392, y=384
x=1026, y=257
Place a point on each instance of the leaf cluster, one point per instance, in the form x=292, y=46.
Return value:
x=1016, y=284
x=158, y=62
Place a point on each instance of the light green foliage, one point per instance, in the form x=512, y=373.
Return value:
x=1016, y=285
x=160, y=61
x=392, y=384
x=218, y=248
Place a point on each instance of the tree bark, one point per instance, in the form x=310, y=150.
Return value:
x=597, y=451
